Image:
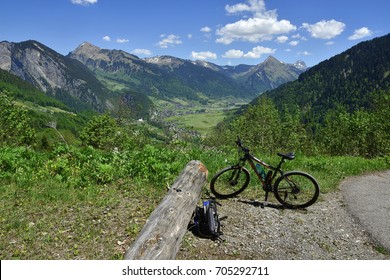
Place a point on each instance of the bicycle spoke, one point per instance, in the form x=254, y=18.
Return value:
x=229, y=182
x=297, y=189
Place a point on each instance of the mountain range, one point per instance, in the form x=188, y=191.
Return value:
x=93, y=78
x=169, y=76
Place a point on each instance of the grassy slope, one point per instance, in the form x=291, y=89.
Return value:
x=45, y=217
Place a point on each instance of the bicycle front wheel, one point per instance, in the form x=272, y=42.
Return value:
x=296, y=189
x=229, y=182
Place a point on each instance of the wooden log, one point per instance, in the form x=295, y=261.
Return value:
x=161, y=236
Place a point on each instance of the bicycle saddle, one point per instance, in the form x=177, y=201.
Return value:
x=288, y=156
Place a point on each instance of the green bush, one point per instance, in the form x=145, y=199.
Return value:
x=15, y=129
x=103, y=133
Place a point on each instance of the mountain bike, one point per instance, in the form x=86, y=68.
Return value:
x=293, y=189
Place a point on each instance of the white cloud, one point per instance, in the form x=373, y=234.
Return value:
x=106, y=38
x=120, y=40
x=169, y=41
x=329, y=43
x=261, y=26
x=141, y=52
x=299, y=36
x=305, y=53
x=233, y=54
x=294, y=43
x=281, y=39
x=258, y=51
x=205, y=29
x=360, y=33
x=203, y=55
x=84, y=2
x=325, y=29
x=253, y=6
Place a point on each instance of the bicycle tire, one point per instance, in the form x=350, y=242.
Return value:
x=229, y=182
x=296, y=189
x=212, y=220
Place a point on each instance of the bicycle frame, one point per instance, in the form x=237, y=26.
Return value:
x=267, y=181
x=252, y=160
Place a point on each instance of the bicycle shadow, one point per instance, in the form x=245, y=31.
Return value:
x=262, y=204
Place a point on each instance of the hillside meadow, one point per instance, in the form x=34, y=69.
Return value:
x=84, y=203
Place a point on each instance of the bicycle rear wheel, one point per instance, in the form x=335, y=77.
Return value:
x=296, y=189
x=229, y=182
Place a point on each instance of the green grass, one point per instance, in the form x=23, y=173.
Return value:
x=87, y=204
x=202, y=118
x=201, y=122
x=52, y=221
x=47, y=109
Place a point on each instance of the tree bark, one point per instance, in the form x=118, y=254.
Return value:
x=161, y=236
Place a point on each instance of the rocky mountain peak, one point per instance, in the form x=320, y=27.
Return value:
x=272, y=60
x=90, y=54
x=300, y=65
x=86, y=51
x=86, y=47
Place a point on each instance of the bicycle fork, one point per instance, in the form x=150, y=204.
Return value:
x=234, y=178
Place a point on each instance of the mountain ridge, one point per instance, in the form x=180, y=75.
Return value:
x=163, y=77
x=93, y=78
x=159, y=65
x=66, y=80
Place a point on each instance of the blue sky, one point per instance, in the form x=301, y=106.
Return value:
x=220, y=31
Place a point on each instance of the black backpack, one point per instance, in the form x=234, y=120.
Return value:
x=207, y=224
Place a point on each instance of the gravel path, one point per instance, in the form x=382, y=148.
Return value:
x=326, y=230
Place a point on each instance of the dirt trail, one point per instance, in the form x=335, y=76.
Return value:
x=332, y=228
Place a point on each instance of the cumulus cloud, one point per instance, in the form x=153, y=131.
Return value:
x=256, y=52
x=262, y=25
x=360, y=33
x=106, y=38
x=203, y=55
x=205, y=29
x=233, y=54
x=121, y=40
x=299, y=36
x=253, y=6
x=325, y=29
x=294, y=43
x=141, y=52
x=169, y=41
x=281, y=39
x=84, y=2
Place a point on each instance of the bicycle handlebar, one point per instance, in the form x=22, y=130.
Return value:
x=239, y=144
